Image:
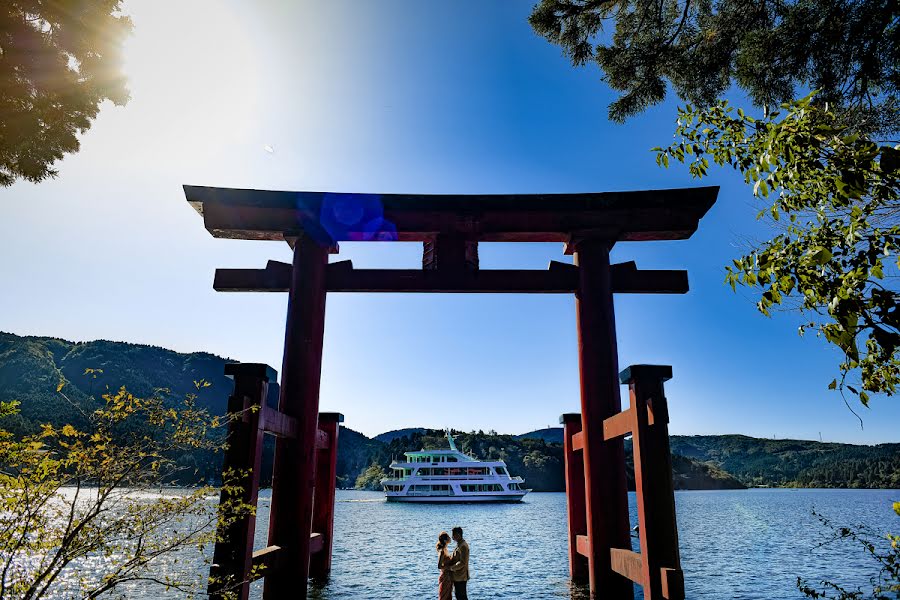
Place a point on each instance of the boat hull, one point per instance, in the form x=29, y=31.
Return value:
x=480, y=499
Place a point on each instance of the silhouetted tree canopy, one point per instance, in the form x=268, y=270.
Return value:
x=846, y=49
x=59, y=60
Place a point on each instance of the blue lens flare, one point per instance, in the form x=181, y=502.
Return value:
x=356, y=217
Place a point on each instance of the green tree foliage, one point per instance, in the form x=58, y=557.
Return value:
x=540, y=462
x=793, y=463
x=370, y=479
x=848, y=49
x=884, y=554
x=31, y=367
x=58, y=62
x=834, y=195
x=72, y=496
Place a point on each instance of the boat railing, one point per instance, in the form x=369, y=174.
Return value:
x=463, y=464
x=457, y=478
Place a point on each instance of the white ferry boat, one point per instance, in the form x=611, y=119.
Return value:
x=451, y=476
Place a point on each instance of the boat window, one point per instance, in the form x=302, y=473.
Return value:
x=500, y=470
x=451, y=459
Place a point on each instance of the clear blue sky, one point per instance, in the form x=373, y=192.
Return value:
x=395, y=96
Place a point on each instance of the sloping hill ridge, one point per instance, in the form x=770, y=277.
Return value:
x=389, y=436
x=795, y=463
x=783, y=463
x=32, y=367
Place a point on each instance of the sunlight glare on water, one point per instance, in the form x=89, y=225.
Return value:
x=743, y=544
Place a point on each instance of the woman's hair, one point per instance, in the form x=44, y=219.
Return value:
x=443, y=540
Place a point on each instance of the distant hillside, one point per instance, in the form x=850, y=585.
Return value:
x=786, y=463
x=551, y=435
x=541, y=463
x=389, y=436
x=355, y=453
x=796, y=463
x=31, y=368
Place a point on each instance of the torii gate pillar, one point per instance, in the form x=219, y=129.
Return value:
x=293, y=480
x=606, y=492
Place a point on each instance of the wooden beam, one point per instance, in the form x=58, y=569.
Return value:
x=618, y=425
x=276, y=277
x=627, y=279
x=634, y=216
x=270, y=558
x=266, y=561
x=322, y=441
x=577, y=441
x=556, y=265
x=277, y=423
x=583, y=543
x=342, y=277
x=672, y=583
x=627, y=564
x=493, y=281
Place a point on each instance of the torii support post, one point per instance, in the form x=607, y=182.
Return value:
x=657, y=568
x=233, y=554
x=606, y=492
x=323, y=502
x=295, y=458
x=235, y=564
x=576, y=512
x=661, y=575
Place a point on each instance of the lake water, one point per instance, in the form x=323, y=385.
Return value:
x=743, y=544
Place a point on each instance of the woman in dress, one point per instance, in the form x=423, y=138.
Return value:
x=445, y=582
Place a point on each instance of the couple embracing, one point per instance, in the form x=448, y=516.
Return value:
x=454, y=567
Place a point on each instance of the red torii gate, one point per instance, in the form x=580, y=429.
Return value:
x=450, y=226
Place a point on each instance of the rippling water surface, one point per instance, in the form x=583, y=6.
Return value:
x=747, y=544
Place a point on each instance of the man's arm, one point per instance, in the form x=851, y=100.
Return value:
x=460, y=558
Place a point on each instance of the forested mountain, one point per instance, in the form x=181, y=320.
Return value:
x=551, y=435
x=540, y=463
x=31, y=369
x=799, y=463
x=787, y=463
x=389, y=436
